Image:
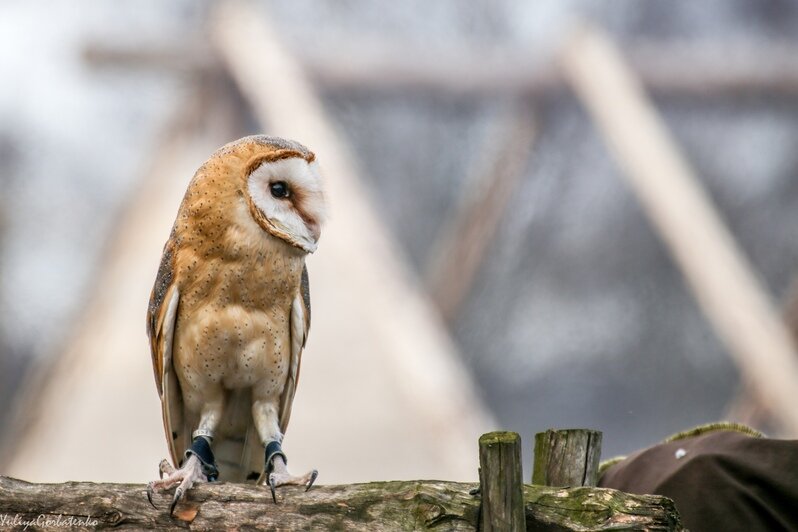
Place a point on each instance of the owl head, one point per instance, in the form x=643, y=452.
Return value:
x=283, y=190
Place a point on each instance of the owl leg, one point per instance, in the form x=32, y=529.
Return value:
x=198, y=465
x=276, y=472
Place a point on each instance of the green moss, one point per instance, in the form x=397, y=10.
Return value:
x=715, y=427
x=597, y=508
x=499, y=437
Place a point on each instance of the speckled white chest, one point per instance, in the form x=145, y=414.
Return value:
x=229, y=348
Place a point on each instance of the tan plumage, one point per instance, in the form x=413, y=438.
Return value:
x=230, y=310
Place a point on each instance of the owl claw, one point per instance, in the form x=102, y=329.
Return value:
x=272, y=487
x=175, y=500
x=149, y=495
x=165, y=468
x=184, y=478
x=313, y=475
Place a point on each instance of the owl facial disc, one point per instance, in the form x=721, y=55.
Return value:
x=288, y=200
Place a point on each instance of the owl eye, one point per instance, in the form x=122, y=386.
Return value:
x=279, y=189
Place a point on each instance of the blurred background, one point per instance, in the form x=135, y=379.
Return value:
x=487, y=264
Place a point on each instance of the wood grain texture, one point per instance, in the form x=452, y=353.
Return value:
x=376, y=506
x=567, y=457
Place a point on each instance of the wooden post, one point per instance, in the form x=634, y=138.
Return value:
x=567, y=457
x=500, y=482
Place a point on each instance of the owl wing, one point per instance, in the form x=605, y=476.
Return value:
x=300, y=325
x=161, y=324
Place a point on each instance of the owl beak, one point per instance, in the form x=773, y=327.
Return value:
x=310, y=241
x=307, y=245
x=315, y=230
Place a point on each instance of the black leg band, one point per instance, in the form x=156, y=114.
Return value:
x=273, y=449
x=201, y=448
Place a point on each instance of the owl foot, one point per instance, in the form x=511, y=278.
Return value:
x=184, y=478
x=199, y=466
x=277, y=479
x=277, y=471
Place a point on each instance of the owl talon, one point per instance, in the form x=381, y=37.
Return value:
x=149, y=495
x=313, y=475
x=165, y=468
x=272, y=487
x=177, y=497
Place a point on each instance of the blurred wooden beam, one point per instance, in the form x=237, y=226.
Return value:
x=791, y=308
x=368, y=293
x=745, y=407
x=718, y=273
x=182, y=58
x=464, y=239
x=663, y=67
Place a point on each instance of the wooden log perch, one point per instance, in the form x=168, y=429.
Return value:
x=567, y=457
x=397, y=505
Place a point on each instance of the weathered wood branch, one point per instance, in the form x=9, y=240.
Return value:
x=398, y=505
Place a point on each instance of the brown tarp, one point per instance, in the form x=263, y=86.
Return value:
x=720, y=481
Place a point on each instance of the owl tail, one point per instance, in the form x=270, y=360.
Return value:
x=239, y=457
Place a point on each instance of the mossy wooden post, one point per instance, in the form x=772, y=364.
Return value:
x=501, y=483
x=567, y=457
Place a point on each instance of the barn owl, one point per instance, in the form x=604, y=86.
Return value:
x=230, y=311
